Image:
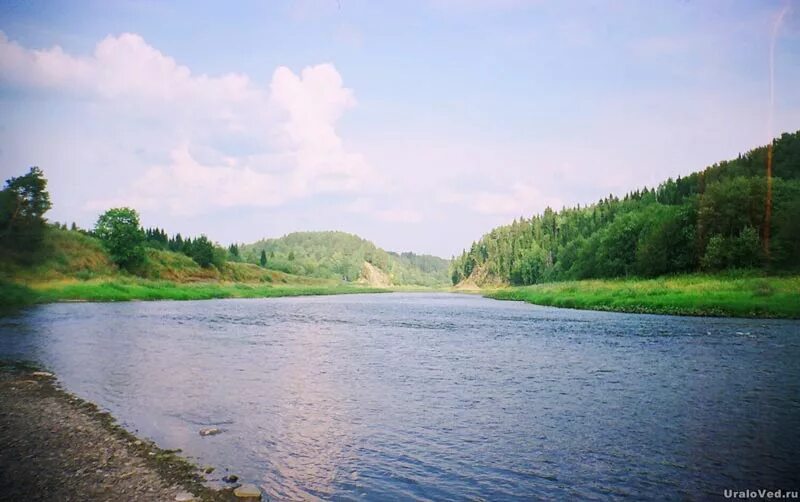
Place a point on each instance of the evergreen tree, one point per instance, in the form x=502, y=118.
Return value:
x=233, y=252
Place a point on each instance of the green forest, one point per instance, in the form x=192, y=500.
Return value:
x=339, y=255
x=728, y=216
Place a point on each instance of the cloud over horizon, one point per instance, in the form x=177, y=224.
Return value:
x=289, y=123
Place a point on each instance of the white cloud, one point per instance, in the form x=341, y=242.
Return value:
x=120, y=67
x=289, y=125
x=367, y=205
x=186, y=187
x=312, y=102
x=521, y=199
x=400, y=215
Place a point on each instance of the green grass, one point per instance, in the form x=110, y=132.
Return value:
x=125, y=289
x=695, y=295
x=13, y=296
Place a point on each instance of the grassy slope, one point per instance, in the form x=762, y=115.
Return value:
x=63, y=254
x=73, y=266
x=721, y=295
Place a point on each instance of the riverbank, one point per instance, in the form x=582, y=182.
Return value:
x=127, y=289
x=692, y=295
x=73, y=266
x=59, y=447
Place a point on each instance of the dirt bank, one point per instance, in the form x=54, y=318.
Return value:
x=373, y=276
x=54, y=446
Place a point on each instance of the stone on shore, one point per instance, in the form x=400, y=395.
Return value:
x=184, y=497
x=210, y=431
x=248, y=492
x=45, y=374
x=230, y=478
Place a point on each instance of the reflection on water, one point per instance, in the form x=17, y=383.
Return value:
x=444, y=397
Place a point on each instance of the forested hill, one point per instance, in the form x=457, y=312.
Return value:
x=715, y=219
x=340, y=255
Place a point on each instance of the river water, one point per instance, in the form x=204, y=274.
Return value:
x=438, y=396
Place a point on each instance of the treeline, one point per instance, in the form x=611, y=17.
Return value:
x=339, y=255
x=725, y=217
x=330, y=255
x=202, y=250
x=24, y=201
x=126, y=241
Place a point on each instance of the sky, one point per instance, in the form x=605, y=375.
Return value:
x=419, y=125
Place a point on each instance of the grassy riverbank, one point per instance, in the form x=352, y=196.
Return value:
x=72, y=266
x=695, y=295
x=132, y=288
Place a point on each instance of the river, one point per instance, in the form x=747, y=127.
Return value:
x=437, y=396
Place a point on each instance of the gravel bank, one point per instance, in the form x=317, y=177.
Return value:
x=54, y=446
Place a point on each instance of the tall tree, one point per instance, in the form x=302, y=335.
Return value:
x=23, y=202
x=263, y=258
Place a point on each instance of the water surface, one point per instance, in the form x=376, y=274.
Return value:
x=438, y=396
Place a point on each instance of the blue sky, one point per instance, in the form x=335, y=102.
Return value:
x=419, y=125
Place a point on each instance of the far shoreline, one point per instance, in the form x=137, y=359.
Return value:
x=114, y=289
x=695, y=295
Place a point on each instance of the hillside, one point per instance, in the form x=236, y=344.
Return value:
x=342, y=256
x=73, y=255
x=74, y=265
x=725, y=217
